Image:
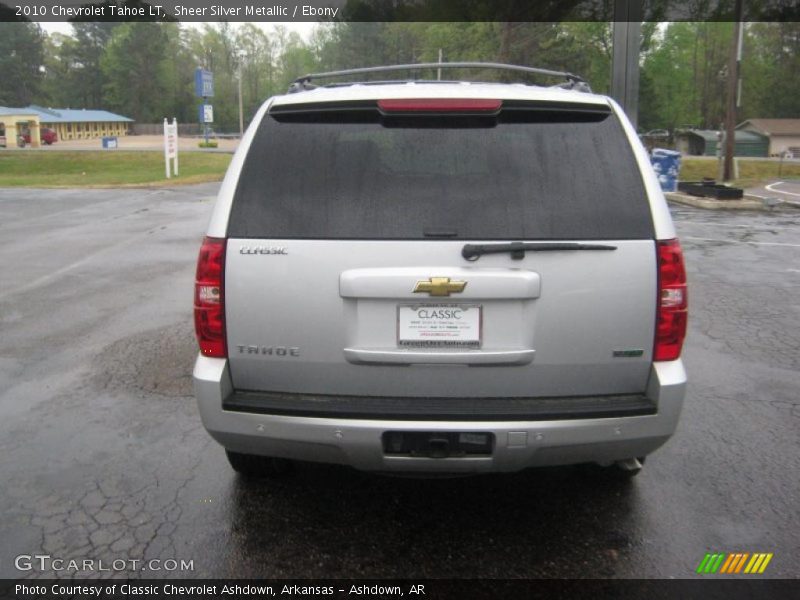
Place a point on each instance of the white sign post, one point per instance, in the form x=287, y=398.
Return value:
x=171, y=145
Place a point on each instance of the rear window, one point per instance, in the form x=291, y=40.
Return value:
x=525, y=173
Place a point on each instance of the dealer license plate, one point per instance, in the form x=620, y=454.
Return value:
x=439, y=325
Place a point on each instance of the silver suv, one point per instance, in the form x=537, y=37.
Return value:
x=446, y=277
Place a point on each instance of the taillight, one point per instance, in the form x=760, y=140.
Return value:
x=209, y=298
x=672, y=301
x=439, y=105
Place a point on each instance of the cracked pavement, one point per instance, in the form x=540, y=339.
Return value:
x=104, y=456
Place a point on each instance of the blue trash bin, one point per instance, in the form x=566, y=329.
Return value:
x=667, y=165
x=109, y=142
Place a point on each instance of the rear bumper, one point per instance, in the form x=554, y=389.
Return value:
x=518, y=443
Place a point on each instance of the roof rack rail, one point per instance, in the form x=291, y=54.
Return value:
x=573, y=81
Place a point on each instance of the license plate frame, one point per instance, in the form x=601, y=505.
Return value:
x=465, y=331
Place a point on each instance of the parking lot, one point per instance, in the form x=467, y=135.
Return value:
x=153, y=143
x=104, y=455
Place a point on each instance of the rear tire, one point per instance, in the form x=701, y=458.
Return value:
x=253, y=466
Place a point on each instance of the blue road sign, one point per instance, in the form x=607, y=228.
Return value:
x=203, y=83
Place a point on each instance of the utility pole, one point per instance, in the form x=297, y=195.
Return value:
x=734, y=91
x=626, y=46
x=241, y=112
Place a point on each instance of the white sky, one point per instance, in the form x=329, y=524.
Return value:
x=304, y=29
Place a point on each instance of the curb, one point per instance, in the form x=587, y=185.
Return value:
x=746, y=203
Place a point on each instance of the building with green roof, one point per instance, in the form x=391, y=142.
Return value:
x=703, y=142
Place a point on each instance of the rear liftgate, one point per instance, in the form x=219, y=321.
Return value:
x=440, y=250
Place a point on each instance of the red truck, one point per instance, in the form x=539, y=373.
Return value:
x=48, y=136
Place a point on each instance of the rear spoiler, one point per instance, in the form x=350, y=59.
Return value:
x=573, y=82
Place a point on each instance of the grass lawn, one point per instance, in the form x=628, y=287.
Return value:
x=107, y=168
x=120, y=168
x=751, y=172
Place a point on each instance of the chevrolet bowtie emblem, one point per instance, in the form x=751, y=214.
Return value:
x=439, y=286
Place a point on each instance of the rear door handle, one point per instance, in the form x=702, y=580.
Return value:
x=400, y=282
x=438, y=357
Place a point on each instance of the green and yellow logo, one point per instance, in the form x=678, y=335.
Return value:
x=733, y=563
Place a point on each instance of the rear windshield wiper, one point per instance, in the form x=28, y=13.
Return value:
x=518, y=249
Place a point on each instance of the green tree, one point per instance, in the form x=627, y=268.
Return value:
x=177, y=71
x=58, y=53
x=458, y=41
x=146, y=70
x=294, y=58
x=771, y=61
x=135, y=67
x=86, y=80
x=214, y=47
x=256, y=52
x=588, y=49
x=21, y=62
x=667, y=86
x=684, y=75
x=73, y=76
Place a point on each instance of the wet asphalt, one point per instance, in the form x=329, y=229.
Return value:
x=104, y=457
